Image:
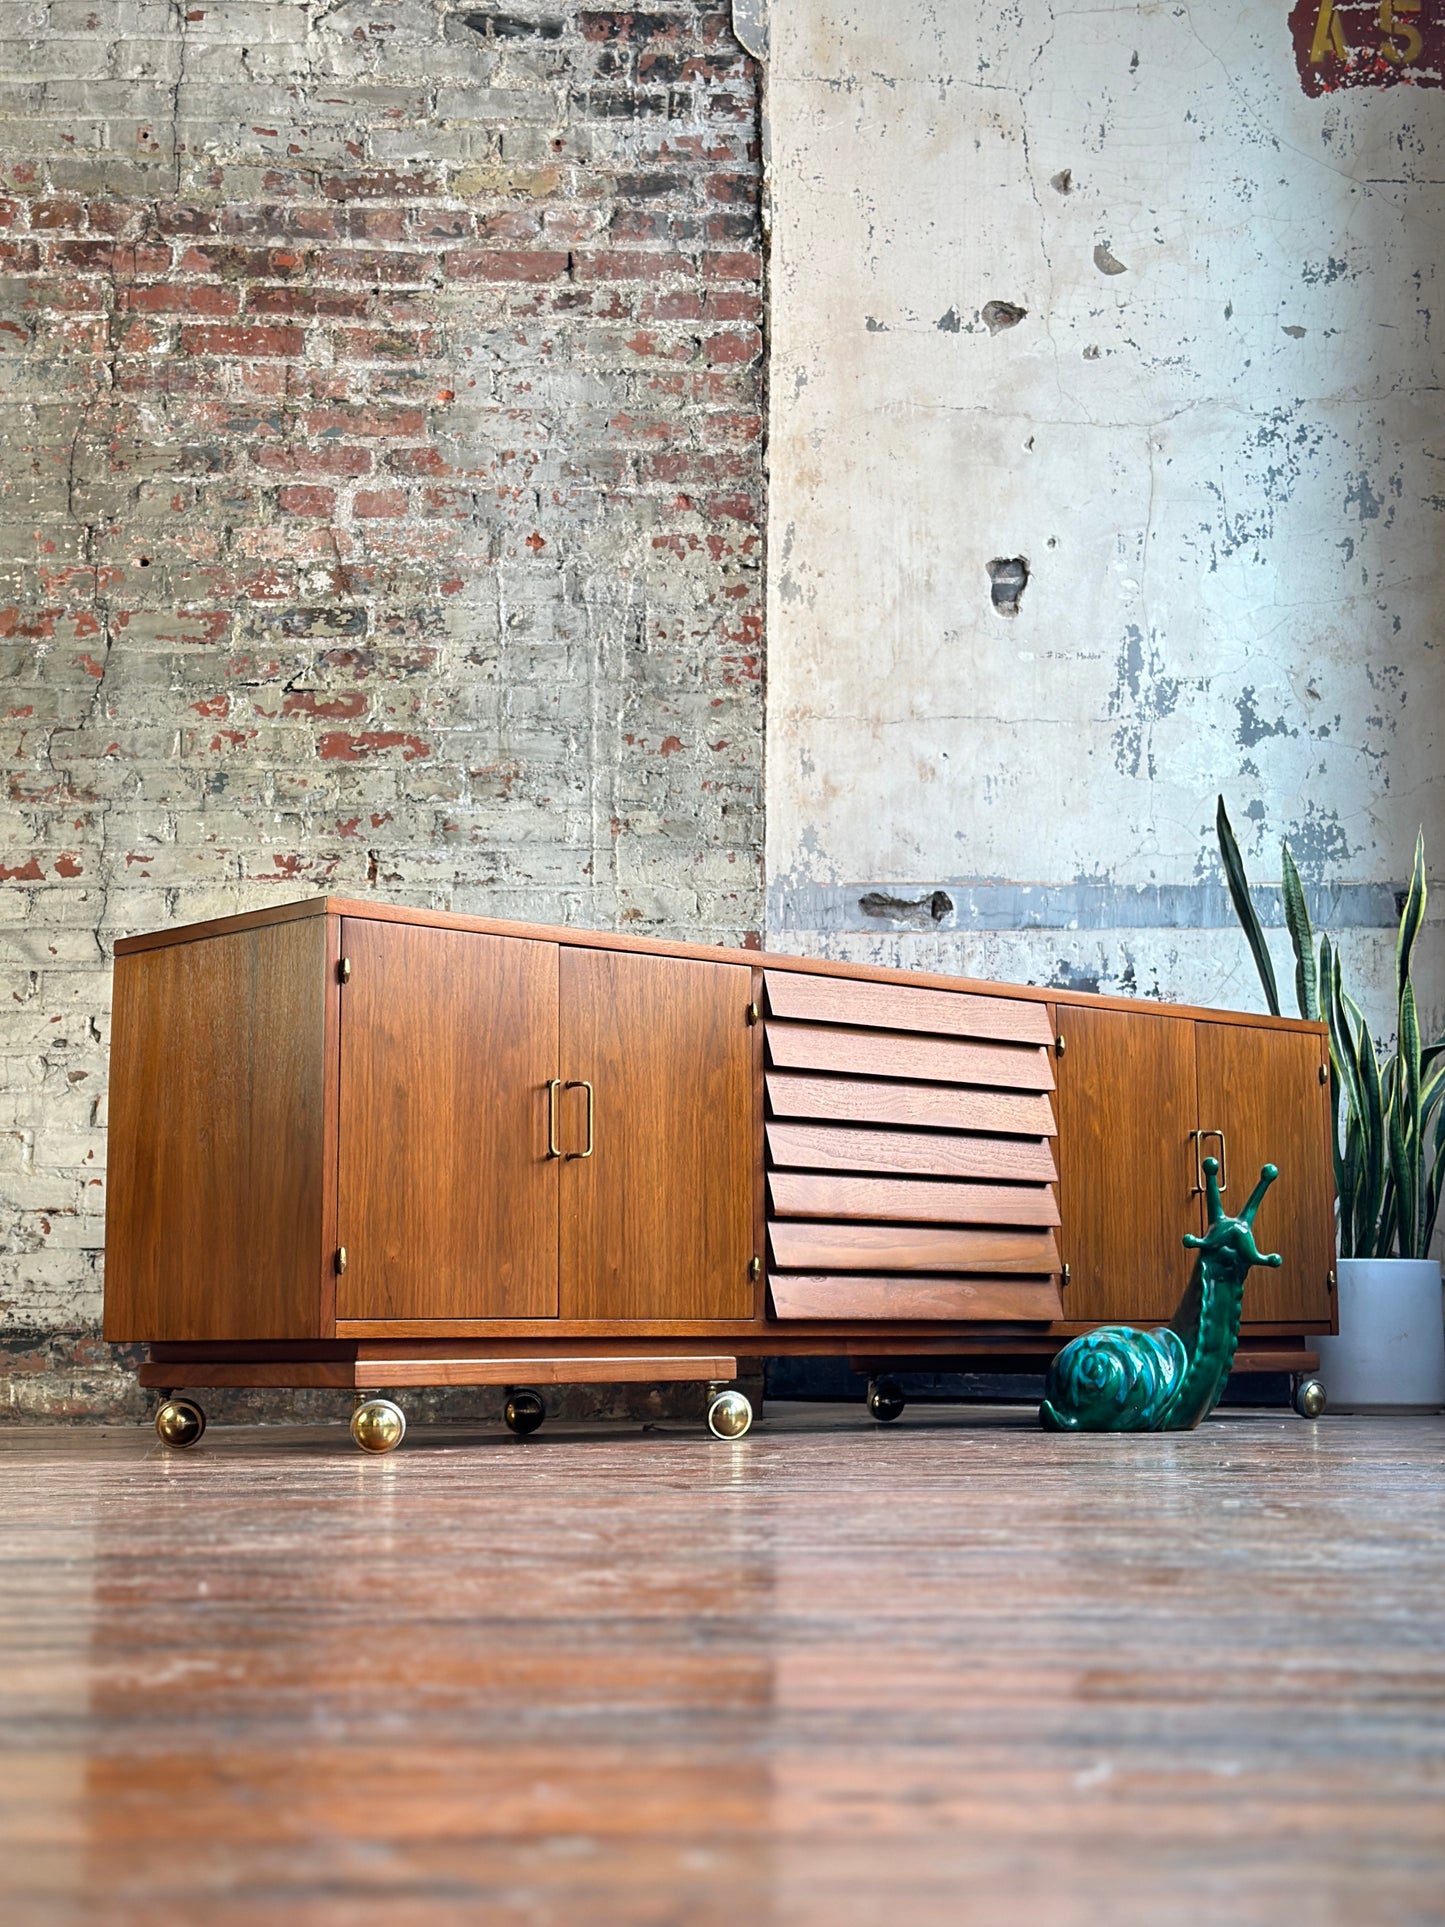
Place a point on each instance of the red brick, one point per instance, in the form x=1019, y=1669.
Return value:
x=505, y=264
x=332, y=304
x=337, y=746
x=242, y=341
x=375, y=420
x=382, y=184
x=337, y=459
x=306, y=501
x=732, y=267
x=742, y=345
x=171, y=297
x=631, y=265
x=120, y=259
x=386, y=344
x=373, y=265
x=57, y=214
x=371, y=503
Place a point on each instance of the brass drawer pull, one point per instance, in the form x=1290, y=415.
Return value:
x=554, y=1085
x=581, y=1084
x=1200, y=1139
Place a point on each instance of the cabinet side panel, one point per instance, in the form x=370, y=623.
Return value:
x=215, y=1165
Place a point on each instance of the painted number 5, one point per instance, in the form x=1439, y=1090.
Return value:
x=1397, y=31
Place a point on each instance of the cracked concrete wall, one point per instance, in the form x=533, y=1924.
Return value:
x=380, y=390
x=1105, y=474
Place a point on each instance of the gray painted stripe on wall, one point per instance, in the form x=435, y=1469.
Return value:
x=1088, y=905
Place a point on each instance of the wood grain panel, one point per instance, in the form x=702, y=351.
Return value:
x=658, y=1223
x=389, y=1373
x=1126, y=1103
x=1263, y=1090
x=800, y=1245
x=620, y=1368
x=448, y=1199
x=948, y=1013
x=794, y=1094
x=838, y=1147
x=805, y=1194
x=845, y=1296
x=884, y=1053
x=214, y=1226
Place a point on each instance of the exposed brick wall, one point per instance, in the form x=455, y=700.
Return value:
x=382, y=503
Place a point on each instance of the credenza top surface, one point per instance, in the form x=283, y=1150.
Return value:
x=704, y=953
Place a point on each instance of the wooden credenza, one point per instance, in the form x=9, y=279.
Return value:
x=361, y=1146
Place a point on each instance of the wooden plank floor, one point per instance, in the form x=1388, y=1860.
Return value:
x=956, y=1670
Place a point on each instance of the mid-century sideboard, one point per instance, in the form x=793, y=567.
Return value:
x=359, y=1146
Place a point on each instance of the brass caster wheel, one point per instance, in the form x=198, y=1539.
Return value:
x=729, y=1414
x=179, y=1421
x=1309, y=1398
x=885, y=1399
x=524, y=1412
x=378, y=1425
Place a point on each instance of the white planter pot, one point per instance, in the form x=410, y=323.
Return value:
x=1390, y=1354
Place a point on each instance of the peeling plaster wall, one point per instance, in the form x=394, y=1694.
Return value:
x=1101, y=293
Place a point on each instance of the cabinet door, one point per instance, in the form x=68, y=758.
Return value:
x=1262, y=1089
x=1126, y=1108
x=447, y=1198
x=657, y=1222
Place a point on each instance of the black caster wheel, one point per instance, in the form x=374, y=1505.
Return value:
x=524, y=1412
x=1308, y=1397
x=378, y=1425
x=179, y=1421
x=885, y=1399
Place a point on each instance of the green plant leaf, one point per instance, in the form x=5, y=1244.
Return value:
x=1244, y=906
x=1407, y=1110
x=1373, y=1153
x=1403, y=1174
x=1297, y=921
x=1433, y=1185
x=1348, y=1174
x=1411, y=918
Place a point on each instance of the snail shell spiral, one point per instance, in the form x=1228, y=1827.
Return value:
x=1114, y=1379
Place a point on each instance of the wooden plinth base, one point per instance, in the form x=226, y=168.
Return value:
x=365, y=1366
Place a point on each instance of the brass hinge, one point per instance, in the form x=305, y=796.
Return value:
x=755, y=1268
x=341, y=1258
x=343, y=970
x=1324, y=1073
x=1330, y=1281
x=1064, y=1277
x=754, y=1014
x=1059, y=1045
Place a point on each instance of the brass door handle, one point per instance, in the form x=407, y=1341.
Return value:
x=581, y=1084
x=1200, y=1138
x=554, y=1085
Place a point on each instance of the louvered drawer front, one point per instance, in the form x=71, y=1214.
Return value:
x=910, y=1160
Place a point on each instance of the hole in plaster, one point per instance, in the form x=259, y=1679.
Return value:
x=999, y=315
x=1063, y=181
x=1107, y=263
x=879, y=903
x=1008, y=578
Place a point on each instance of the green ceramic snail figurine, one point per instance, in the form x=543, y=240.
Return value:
x=1118, y=1379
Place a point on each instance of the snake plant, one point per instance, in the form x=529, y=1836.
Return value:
x=1388, y=1106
